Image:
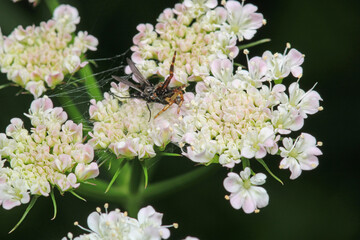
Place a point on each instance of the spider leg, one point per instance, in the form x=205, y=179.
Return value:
x=148, y=107
x=168, y=79
x=181, y=101
x=164, y=109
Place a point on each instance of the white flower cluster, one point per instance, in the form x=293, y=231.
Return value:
x=50, y=155
x=116, y=225
x=124, y=125
x=235, y=116
x=200, y=32
x=38, y=55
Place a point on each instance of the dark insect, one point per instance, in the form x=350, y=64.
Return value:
x=160, y=93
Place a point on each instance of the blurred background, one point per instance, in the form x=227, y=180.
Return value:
x=320, y=204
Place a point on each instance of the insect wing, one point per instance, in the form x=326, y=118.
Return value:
x=137, y=73
x=126, y=82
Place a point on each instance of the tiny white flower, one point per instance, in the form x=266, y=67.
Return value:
x=245, y=192
x=299, y=155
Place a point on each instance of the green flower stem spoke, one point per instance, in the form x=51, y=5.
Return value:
x=145, y=170
x=249, y=45
x=115, y=194
x=169, y=154
x=90, y=82
x=103, y=156
x=78, y=196
x=124, y=161
x=71, y=109
x=52, y=4
x=269, y=171
x=54, y=203
x=5, y=85
x=31, y=204
x=245, y=163
x=166, y=187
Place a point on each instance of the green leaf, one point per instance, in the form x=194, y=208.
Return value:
x=31, y=204
x=122, y=164
x=143, y=165
x=249, y=45
x=76, y=195
x=268, y=170
x=54, y=204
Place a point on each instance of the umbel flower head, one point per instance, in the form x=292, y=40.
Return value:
x=38, y=57
x=200, y=32
x=125, y=127
x=234, y=117
x=50, y=155
x=116, y=225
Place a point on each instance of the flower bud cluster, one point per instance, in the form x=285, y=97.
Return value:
x=118, y=225
x=50, y=155
x=200, y=31
x=124, y=125
x=38, y=57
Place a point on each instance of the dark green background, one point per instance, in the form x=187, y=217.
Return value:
x=321, y=204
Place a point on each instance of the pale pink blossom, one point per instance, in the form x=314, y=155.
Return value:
x=245, y=192
x=299, y=155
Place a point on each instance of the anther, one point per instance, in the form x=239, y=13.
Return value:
x=227, y=197
x=76, y=223
x=257, y=211
x=176, y=225
x=319, y=143
x=320, y=108
x=98, y=210
x=288, y=45
x=264, y=22
x=246, y=52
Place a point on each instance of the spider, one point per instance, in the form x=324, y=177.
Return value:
x=160, y=93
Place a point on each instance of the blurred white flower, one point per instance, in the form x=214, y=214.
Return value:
x=116, y=225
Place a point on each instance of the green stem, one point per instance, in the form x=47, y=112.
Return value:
x=115, y=194
x=90, y=83
x=249, y=45
x=135, y=180
x=52, y=4
x=175, y=184
x=71, y=109
x=133, y=205
x=54, y=203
